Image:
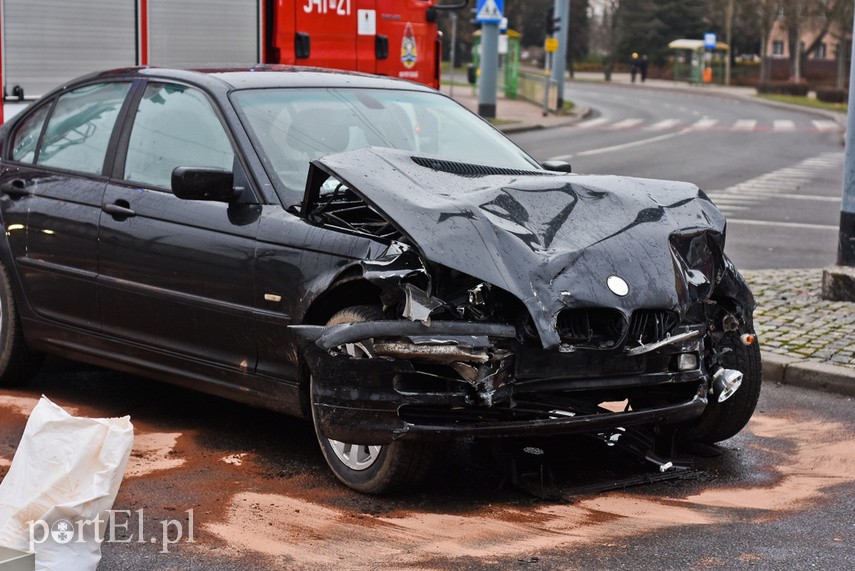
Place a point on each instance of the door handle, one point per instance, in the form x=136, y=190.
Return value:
x=16, y=187
x=119, y=209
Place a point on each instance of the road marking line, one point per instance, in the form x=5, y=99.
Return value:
x=703, y=124
x=662, y=125
x=593, y=123
x=810, y=198
x=731, y=199
x=750, y=197
x=772, y=186
x=623, y=146
x=627, y=123
x=783, y=224
x=826, y=125
x=745, y=125
x=783, y=125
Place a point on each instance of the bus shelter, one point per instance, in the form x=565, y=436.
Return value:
x=694, y=63
x=509, y=60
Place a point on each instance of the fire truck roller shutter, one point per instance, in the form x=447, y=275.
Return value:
x=197, y=33
x=51, y=41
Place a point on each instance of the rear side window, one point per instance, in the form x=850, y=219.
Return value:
x=27, y=136
x=78, y=132
x=175, y=126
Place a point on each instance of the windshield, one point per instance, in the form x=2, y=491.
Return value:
x=296, y=126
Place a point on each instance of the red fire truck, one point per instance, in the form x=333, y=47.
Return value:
x=45, y=42
x=388, y=37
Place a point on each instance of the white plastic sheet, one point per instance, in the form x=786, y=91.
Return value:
x=66, y=472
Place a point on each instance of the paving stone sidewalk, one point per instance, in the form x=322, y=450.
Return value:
x=805, y=340
x=793, y=320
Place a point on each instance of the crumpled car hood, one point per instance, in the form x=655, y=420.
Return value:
x=551, y=240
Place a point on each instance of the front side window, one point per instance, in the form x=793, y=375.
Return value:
x=79, y=129
x=175, y=126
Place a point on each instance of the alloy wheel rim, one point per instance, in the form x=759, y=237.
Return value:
x=355, y=456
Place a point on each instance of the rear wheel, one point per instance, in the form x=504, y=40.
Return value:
x=367, y=468
x=17, y=362
x=721, y=421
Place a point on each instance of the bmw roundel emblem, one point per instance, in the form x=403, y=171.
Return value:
x=617, y=286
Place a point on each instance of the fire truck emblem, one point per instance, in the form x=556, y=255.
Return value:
x=409, y=51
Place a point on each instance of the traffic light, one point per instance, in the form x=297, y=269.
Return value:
x=552, y=23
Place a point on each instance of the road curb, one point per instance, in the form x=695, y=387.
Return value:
x=838, y=116
x=807, y=373
x=578, y=115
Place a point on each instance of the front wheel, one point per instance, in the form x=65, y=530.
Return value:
x=372, y=469
x=721, y=421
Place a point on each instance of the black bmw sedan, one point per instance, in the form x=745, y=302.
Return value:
x=364, y=253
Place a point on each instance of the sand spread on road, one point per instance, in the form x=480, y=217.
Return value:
x=311, y=534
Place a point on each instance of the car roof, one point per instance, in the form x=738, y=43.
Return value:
x=259, y=76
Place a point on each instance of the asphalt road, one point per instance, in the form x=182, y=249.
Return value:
x=780, y=495
x=775, y=172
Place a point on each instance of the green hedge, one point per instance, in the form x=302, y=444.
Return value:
x=783, y=88
x=832, y=95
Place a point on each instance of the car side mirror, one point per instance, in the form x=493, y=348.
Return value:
x=194, y=183
x=557, y=166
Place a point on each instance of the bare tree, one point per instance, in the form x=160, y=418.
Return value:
x=610, y=25
x=808, y=16
x=767, y=13
x=843, y=19
x=825, y=14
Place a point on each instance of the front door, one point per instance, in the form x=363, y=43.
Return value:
x=178, y=275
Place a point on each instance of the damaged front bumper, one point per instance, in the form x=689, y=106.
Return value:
x=454, y=378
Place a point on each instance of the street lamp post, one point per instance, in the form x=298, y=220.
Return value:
x=489, y=69
x=838, y=282
x=453, y=17
x=559, y=58
x=728, y=34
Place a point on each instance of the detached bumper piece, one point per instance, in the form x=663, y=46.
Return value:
x=466, y=379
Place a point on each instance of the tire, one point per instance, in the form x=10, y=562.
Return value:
x=18, y=363
x=372, y=469
x=721, y=421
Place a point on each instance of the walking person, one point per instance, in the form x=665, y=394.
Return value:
x=634, y=66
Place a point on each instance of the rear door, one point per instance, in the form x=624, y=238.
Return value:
x=178, y=275
x=51, y=189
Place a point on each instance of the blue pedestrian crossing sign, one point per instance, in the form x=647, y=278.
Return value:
x=709, y=41
x=489, y=11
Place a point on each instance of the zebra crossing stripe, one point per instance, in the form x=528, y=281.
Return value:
x=825, y=125
x=782, y=183
x=783, y=125
x=665, y=124
x=704, y=124
x=730, y=198
x=745, y=125
x=627, y=123
x=593, y=123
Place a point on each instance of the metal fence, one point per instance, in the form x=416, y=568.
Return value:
x=539, y=89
